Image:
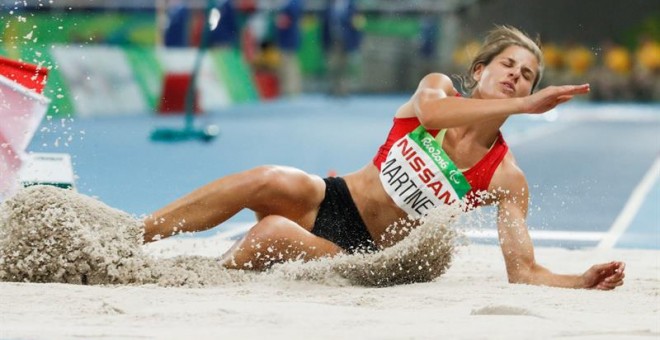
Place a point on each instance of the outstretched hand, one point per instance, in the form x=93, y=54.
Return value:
x=551, y=96
x=606, y=276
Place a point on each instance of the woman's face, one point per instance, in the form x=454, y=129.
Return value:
x=510, y=74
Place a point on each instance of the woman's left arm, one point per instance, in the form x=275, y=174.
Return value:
x=518, y=248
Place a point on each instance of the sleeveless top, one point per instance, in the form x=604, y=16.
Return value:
x=478, y=176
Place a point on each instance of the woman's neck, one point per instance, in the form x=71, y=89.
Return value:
x=482, y=133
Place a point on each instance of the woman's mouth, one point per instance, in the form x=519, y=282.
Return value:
x=508, y=86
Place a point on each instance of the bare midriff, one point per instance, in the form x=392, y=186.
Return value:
x=376, y=207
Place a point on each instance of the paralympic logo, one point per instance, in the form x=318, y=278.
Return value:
x=453, y=176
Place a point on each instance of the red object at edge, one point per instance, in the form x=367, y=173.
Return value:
x=28, y=75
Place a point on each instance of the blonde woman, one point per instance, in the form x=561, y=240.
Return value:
x=443, y=148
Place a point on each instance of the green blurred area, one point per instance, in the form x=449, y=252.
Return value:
x=400, y=27
x=233, y=71
x=148, y=72
x=115, y=28
x=648, y=28
x=310, y=54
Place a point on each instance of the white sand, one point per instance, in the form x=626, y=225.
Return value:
x=472, y=300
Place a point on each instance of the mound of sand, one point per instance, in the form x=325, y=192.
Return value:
x=53, y=235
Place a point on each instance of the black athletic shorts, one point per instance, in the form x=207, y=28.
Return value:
x=339, y=221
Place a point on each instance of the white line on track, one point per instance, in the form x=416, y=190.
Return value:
x=631, y=208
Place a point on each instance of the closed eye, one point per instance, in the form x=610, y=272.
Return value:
x=527, y=73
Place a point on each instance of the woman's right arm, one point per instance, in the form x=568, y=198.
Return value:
x=437, y=107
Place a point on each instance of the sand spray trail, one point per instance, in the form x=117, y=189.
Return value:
x=54, y=235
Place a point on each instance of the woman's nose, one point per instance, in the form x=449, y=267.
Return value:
x=514, y=73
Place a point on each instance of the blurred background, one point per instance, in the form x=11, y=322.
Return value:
x=108, y=57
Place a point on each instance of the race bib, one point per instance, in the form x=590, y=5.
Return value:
x=419, y=175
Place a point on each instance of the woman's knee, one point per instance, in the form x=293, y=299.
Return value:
x=271, y=241
x=275, y=183
x=277, y=239
x=272, y=229
x=266, y=179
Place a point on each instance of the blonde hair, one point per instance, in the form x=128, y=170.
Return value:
x=497, y=40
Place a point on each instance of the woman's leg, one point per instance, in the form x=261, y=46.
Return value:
x=276, y=239
x=267, y=190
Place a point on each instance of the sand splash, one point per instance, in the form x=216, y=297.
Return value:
x=423, y=255
x=53, y=235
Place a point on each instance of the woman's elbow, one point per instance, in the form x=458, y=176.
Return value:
x=425, y=111
x=520, y=274
x=425, y=120
x=518, y=279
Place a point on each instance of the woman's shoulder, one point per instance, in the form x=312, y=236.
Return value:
x=436, y=78
x=433, y=82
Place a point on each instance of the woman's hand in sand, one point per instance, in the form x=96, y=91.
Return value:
x=551, y=96
x=606, y=276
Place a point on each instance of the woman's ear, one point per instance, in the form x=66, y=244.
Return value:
x=478, y=70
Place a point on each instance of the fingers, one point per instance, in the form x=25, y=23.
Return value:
x=612, y=274
x=574, y=89
x=618, y=275
x=622, y=266
x=609, y=284
x=614, y=280
x=605, y=285
x=605, y=269
x=552, y=96
x=614, y=268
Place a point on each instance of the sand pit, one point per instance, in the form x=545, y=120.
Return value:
x=174, y=288
x=471, y=301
